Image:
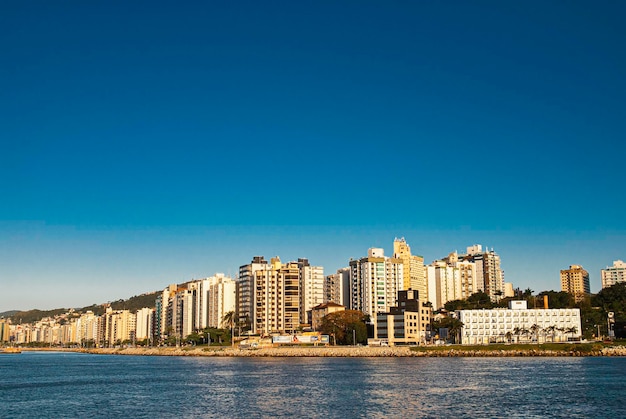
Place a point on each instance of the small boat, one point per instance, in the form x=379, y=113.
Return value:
x=10, y=351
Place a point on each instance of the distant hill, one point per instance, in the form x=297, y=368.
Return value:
x=35, y=315
x=133, y=304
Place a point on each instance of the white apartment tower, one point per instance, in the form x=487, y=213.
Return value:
x=144, y=323
x=614, y=274
x=221, y=297
x=311, y=288
x=450, y=279
x=375, y=281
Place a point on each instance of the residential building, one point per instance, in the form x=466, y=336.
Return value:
x=4, y=330
x=414, y=276
x=575, y=280
x=87, y=326
x=337, y=287
x=119, y=327
x=489, y=275
x=144, y=324
x=518, y=324
x=406, y=323
x=162, y=315
x=183, y=310
x=614, y=274
x=443, y=283
x=450, y=279
x=221, y=294
x=276, y=296
x=375, y=281
x=246, y=287
x=311, y=288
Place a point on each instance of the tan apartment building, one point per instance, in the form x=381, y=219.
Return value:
x=575, y=280
x=414, y=275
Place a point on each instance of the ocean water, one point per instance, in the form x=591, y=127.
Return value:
x=71, y=385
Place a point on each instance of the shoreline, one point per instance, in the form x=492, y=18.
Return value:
x=343, y=352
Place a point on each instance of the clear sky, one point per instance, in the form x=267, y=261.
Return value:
x=147, y=143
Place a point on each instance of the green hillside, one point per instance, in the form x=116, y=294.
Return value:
x=133, y=304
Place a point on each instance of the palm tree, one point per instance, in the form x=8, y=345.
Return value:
x=525, y=332
x=550, y=330
x=517, y=331
x=534, y=330
x=508, y=336
x=571, y=330
x=229, y=319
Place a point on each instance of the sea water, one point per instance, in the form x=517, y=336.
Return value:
x=73, y=385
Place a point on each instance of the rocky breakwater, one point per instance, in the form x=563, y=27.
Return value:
x=321, y=351
x=358, y=351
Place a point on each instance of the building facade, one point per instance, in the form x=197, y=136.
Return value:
x=575, y=280
x=489, y=275
x=337, y=287
x=407, y=323
x=614, y=274
x=519, y=324
x=414, y=275
x=375, y=281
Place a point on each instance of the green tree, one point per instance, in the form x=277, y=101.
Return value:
x=556, y=299
x=229, y=320
x=340, y=325
x=550, y=330
x=453, y=325
x=534, y=330
x=479, y=300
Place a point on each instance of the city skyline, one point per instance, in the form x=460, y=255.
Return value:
x=144, y=145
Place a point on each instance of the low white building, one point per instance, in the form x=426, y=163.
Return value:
x=519, y=324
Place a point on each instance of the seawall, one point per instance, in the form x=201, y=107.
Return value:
x=363, y=351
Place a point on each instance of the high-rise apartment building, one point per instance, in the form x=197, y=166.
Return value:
x=443, y=283
x=277, y=296
x=575, y=280
x=163, y=315
x=614, y=274
x=450, y=279
x=4, y=330
x=337, y=288
x=375, y=281
x=414, y=276
x=119, y=326
x=144, y=323
x=221, y=299
x=311, y=289
x=489, y=275
x=246, y=288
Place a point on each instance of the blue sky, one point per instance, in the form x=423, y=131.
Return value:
x=151, y=143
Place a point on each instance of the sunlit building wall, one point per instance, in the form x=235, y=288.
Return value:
x=575, y=280
x=414, y=274
x=614, y=274
x=375, y=281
